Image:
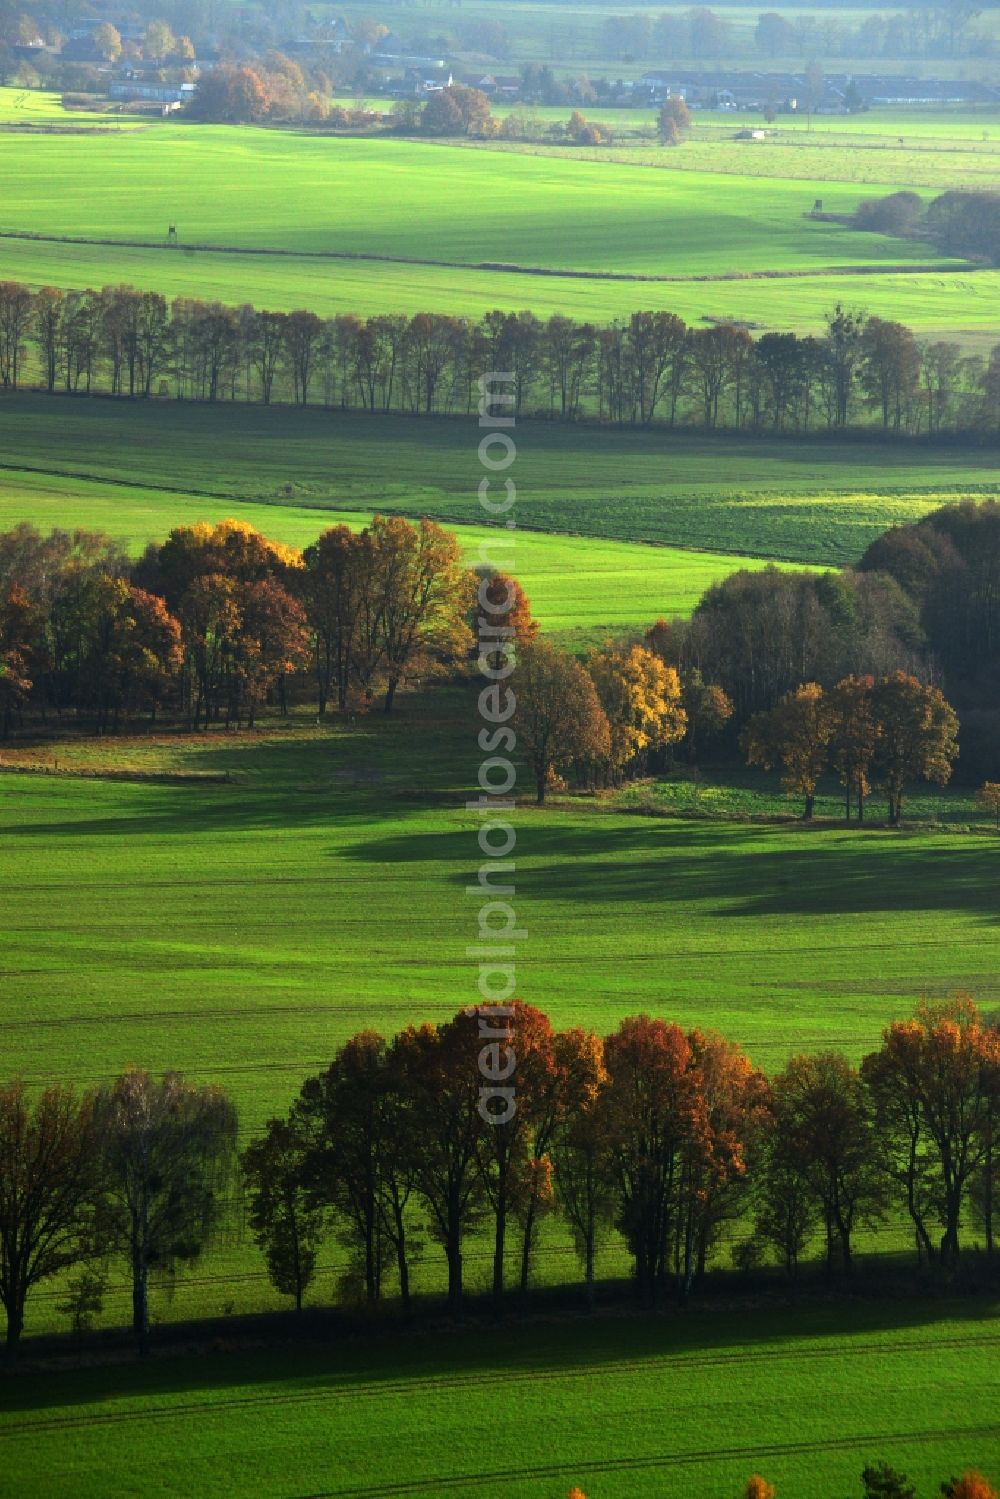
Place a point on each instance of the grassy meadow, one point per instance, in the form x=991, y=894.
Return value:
x=288, y=190
x=40, y=110
x=637, y=1409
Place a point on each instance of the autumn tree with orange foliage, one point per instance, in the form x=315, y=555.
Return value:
x=652, y=1106
x=20, y=632
x=757, y=1487
x=795, y=734
x=971, y=1485
x=731, y=1115
x=502, y=596
x=936, y=1084
x=918, y=732
x=854, y=738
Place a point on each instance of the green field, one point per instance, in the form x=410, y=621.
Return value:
x=313, y=197
x=651, y=1409
x=936, y=304
x=300, y=192
x=303, y=873
x=36, y=109
x=818, y=501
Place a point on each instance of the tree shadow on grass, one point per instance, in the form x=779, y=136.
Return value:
x=726, y=870
x=314, y=1360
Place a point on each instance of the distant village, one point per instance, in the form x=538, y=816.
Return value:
x=148, y=69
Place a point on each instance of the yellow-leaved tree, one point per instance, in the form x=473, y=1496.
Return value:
x=641, y=698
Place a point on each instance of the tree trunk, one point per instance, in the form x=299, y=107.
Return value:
x=589, y=1270
x=15, y=1326
x=454, y=1277
x=140, y=1304
x=499, y=1244
x=527, y=1244
x=403, y=1269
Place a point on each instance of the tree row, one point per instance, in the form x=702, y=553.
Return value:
x=663, y=1136
x=649, y=367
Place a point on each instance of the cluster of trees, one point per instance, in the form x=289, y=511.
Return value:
x=214, y=620
x=959, y=222
x=614, y=715
x=457, y=110
x=649, y=367
x=922, y=600
x=137, y=1171
x=897, y=730
x=609, y=717
x=666, y=1136
x=273, y=87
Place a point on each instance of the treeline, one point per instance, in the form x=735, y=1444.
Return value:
x=959, y=222
x=702, y=33
x=664, y=1136
x=649, y=367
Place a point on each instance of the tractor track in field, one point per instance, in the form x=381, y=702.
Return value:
x=447, y=1384
x=574, y=1469
x=906, y=268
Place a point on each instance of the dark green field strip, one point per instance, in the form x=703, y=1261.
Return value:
x=446, y=1383
x=811, y=501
